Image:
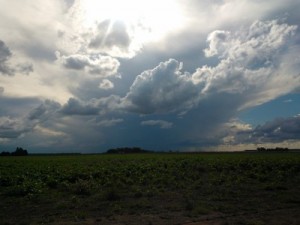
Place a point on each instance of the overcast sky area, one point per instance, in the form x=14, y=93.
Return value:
x=89, y=75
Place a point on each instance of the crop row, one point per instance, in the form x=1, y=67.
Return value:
x=33, y=175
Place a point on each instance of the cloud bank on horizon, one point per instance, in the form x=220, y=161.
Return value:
x=75, y=78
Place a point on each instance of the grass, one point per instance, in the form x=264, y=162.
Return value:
x=150, y=188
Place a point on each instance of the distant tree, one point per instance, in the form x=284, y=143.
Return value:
x=20, y=152
x=277, y=149
x=281, y=149
x=127, y=150
x=261, y=149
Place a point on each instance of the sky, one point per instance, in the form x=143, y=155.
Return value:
x=185, y=75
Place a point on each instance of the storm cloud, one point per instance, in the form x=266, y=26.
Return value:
x=249, y=63
x=275, y=131
x=95, y=80
x=12, y=128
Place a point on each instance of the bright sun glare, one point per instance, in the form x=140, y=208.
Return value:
x=151, y=20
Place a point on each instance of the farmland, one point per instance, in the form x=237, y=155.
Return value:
x=207, y=188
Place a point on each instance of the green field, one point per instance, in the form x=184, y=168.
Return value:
x=207, y=188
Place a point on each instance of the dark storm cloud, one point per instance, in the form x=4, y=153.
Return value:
x=161, y=123
x=25, y=120
x=278, y=130
x=16, y=106
x=76, y=107
x=12, y=128
x=45, y=110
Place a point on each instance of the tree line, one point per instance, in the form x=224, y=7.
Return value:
x=18, y=152
x=127, y=150
x=277, y=149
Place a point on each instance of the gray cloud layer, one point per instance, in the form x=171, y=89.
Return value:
x=5, y=66
x=275, y=131
x=14, y=127
x=95, y=64
x=5, y=54
x=278, y=130
x=161, y=123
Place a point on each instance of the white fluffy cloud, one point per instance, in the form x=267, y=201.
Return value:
x=250, y=62
x=217, y=43
x=106, y=84
x=254, y=46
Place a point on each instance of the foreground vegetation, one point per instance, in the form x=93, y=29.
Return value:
x=208, y=188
